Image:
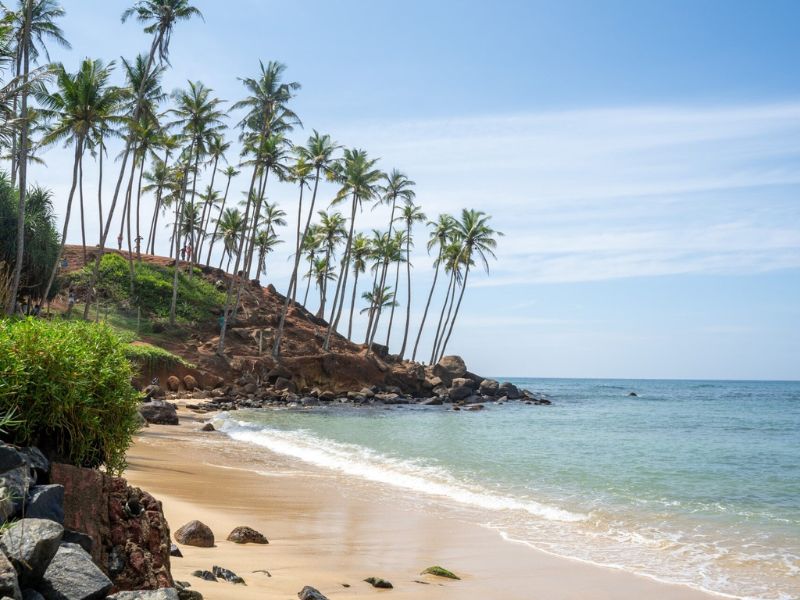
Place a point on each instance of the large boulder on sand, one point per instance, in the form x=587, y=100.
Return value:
x=246, y=535
x=310, y=593
x=159, y=413
x=190, y=383
x=173, y=383
x=449, y=368
x=195, y=533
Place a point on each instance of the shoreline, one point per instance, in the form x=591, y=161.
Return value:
x=325, y=532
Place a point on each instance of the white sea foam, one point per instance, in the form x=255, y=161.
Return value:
x=364, y=463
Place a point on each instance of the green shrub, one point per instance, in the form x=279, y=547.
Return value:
x=197, y=298
x=68, y=383
x=152, y=357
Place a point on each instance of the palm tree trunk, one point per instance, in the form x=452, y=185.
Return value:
x=76, y=162
x=138, y=211
x=292, y=281
x=227, y=266
x=191, y=226
x=23, y=166
x=408, y=285
x=276, y=347
x=129, y=196
x=130, y=144
x=80, y=197
x=371, y=312
x=205, y=220
x=352, y=304
x=455, y=314
x=100, y=185
x=176, y=237
x=341, y=284
x=151, y=236
x=427, y=305
x=378, y=309
x=308, y=287
x=441, y=316
x=394, y=303
x=216, y=226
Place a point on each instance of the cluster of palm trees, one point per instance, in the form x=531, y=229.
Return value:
x=173, y=144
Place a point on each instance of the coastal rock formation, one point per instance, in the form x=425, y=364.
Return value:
x=128, y=532
x=226, y=574
x=377, y=582
x=247, y=535
x=310, y=593
x=72, y=574
x=46, y=502
x=195, y=533
x=173, y=383
x=163, y=594
x=449, y=368
x=159, y=413
x=30, y=545
x=9, y=582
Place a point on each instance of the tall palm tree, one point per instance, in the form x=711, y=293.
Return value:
x=478, y=240
x=217, y=147
x=74, y=109
x=396, y=257
x=309, y=248
x=199, y=118
x=442, y=231
x=360, y=252
x=453, y=263
x=377, y=299
x=230, y=228
x=358, y=178
x=300, y=172
x=229, y=172
x=267, y=114
x=322, y=273
x=156, y=181
x=159, y=18
x=330, y=233
x=266, y=240
x=409, y=215
x=319, y=152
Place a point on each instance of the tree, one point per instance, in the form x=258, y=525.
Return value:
x=217, y=147
x=409, y=214
x=318, y=152
x=266, y=240
x=330, y=233
x=477, y=239
x=394, y=256
x=377, y=299
x=360, y=252
x=230, y=228
x=441, y=233
x=229, y=172
x=159, y=18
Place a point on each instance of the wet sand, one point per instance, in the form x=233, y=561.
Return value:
x=325, y=531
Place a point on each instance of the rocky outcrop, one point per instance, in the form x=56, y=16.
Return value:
x=30, y=545
x=246, y=535
x=159, y=413
x=449, y=368
x=72, y=575
x=195, y=533
x=9, y=582
x=129, y=535
x=310, y=593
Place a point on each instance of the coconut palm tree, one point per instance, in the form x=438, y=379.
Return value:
x=441, y=233
x=217, y=147
x=322, y=273
x=319, y=153
x=266, y=240
x=409, y=215
x=453, y=263
x=267, y=115
x=159, y=18
x=359, y=180
x=330, y=233
x=156, y=180
x=73, y=109
x=478, y=240
x=377, y=299
x=360, y=253
x=396, y=257
x=230, y=227
x=229, y=172
x=309, y=248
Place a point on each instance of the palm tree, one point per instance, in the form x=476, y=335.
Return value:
x=309, y=248
x=322, y=273
x=266, y=240
x=477, y=240
x=409, y=214
x=453, y=264
x=159, y=18
x=318, y=152
x=299, y=173
x=359, y=179
x=198, y=116
x=267, y=114
x=440, y=236
x=377, y=299
x=330, y=233
x=395, y=256
x=360, y=252
x=229, y=172
x=74, y=110
x=217, y=147
x=230, y=227
x=157, y=179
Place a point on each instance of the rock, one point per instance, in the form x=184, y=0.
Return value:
x=310, y=593
x=249, y=388
x=129, y=534
x=37, y=461
x=489, y=387
x=30, y=594
x=72, y=575
x=76, y=537
x=282, y=383
x=208, y=427
x=206, y=575
x=9, y=583
x=309, y=401
x=175, y=551
x=474, y=407
x=435, y=382
x=153, y=391
x=14, y=483
x=449, y=368
x=46, y=502
x=440, y=572
x=159, y=413
x=440, y=390
x=246, y=535
x=633, y=394
x=327, y=396
x=509, y=390
x=377, y=582
x=162, y=594
x=173, y=383
x=30, y=545
x=367, y=392
x=225, y=574
x=195, y=533
x=461, y=389
x=432, y=402
x=190, y=383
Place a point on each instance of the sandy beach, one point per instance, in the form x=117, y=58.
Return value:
x=326, y=532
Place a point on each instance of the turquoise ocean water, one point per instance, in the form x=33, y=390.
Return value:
x=693, y=482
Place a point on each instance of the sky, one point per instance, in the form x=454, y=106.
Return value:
x=641, y=158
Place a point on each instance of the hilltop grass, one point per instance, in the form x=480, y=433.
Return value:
x=147, y=356
x=198, y=300
x=68, y=386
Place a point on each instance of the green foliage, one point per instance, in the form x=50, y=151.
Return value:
x=197, y=298
x=149, y=356
x=68, y=385
x=440, y=572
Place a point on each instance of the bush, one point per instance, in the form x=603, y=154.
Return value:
x=197, y=298
x=147, y=356
x=68, y=383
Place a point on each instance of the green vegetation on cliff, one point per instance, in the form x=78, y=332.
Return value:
x=68, y=386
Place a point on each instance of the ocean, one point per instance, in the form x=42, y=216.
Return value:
x=690, y=482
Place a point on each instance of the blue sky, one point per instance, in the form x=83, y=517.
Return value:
x=643, y=160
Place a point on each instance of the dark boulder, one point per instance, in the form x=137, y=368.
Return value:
x=195, y=533
x=46, y=502
x=377, y=582
x=509, y=390
x=159, y=413
x=226, y=574
x=9, y=583
x=489, y=387
x=72, y=575
x=310, y=593
x=30, y=545
x=162, y=594
x=246, y=535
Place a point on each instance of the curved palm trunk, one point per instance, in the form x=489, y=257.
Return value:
x=130, y=145
x=455, y=314
x=371, y=311
x=394, y=303
x=341, y=284
x=191, y=227
x=292, y=280
x=216, y=226
x=308, y=287
x=75, y=167
x=249, y=258
x=276, y=347
x=80, y=198
x=427, y=305
x=408, y=285
x=228, y=265
x=176, y=238
x=138, y=211
x=446, y=320
x=151, y=235
x=131, y=268
x=352, y=303
x=441, y=316
x=207, y=206
x=100, y=185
